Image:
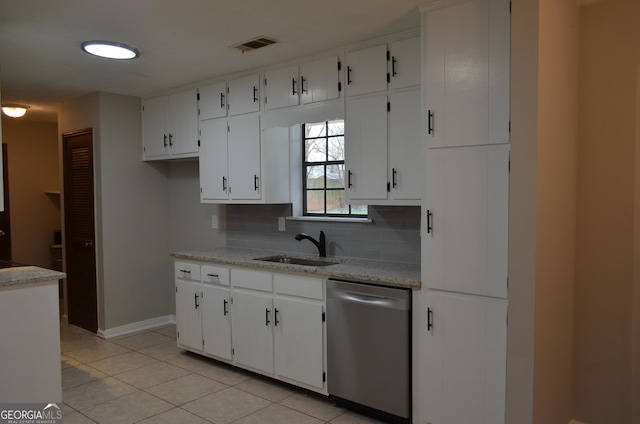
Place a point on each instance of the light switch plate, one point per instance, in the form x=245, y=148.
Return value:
x=281, y=221
x=214, y=222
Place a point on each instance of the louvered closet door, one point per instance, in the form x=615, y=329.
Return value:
x=80, y=230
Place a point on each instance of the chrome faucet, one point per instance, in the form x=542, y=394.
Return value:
x=321, y=245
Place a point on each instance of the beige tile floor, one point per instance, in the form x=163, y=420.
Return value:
x=146, y=378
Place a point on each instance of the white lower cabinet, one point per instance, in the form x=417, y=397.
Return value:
x=270, y=323
x=299, y=330
x=216, y=320
x=464, y=370
x=252, y=330
x=188, y=293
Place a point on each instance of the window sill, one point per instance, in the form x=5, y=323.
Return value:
x=329, y=219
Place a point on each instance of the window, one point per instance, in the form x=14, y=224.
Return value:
x=323, y=171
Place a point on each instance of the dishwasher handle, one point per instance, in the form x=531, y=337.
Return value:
x=369, y=299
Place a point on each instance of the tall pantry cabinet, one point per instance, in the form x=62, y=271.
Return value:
x=465, y=212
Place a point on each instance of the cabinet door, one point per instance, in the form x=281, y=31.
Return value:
x=212, y=101
x=244, y=157
x=298, y=340
x=214, y=172
x=465, y=359
x=467, y=73
x=216, y=321
x=188, y=317
x=252, y=329
x=404, y=63
x=366, y=147
x=466, y=216
x=319, y=80
x=154, y=134
x=244, y=95
x=405, y=153
x=367, y=70
x=183, y=122
x=281, y=87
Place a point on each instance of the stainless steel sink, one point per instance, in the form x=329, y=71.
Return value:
x=293, y=260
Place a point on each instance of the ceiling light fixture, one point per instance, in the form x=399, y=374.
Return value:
x=14, y=111
x=110, y=50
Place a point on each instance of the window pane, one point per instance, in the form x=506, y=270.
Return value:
x=335, y=202
x=335, y=176
x=315, y=202
x=359, y=210
x=315, y=176
x=315, y=130
x=315, y=150
x=336, y=148
x=336, y=127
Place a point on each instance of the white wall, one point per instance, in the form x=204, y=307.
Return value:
x=132, y=216
x=191, y=224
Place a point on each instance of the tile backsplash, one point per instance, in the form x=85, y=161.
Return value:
x=394, y=234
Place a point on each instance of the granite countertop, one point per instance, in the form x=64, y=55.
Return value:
x=395, y=274
x=24, y=275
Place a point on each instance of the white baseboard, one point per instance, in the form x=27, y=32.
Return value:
x=137, y=326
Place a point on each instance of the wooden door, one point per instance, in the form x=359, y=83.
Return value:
x=5, y=221
x=82, y=301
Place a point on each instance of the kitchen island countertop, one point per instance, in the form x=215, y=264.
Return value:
x=396, y=274
x=21, y=275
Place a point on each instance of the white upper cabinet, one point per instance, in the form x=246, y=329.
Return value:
x=367, y=70
x=170, y=126
x=386, y=66
x=281, y=87
x=214, y=169
x=405, y=154
x=311, y=82
x=320, y=80
x=243, y=95
x=404, y=63
x=212, y=101
x=240, y=163
x=383, y=157
x=465, y=217
x=467, y=73
x=366, y=148
x=244, y=157
x=154, y=133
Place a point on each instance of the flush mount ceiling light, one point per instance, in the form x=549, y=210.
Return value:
x=110, y=50
x=14, y=111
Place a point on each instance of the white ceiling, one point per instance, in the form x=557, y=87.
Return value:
x=180, y=42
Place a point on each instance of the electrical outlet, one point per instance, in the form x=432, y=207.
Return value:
x=214, y=222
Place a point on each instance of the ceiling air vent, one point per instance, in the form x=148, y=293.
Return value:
x=254, y=43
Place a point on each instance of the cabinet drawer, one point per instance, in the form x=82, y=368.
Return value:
x=255, y=280
x=187, y=271
x=295, y=285
x=215, y=275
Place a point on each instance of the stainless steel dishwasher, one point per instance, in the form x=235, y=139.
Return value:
x=369, y=348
